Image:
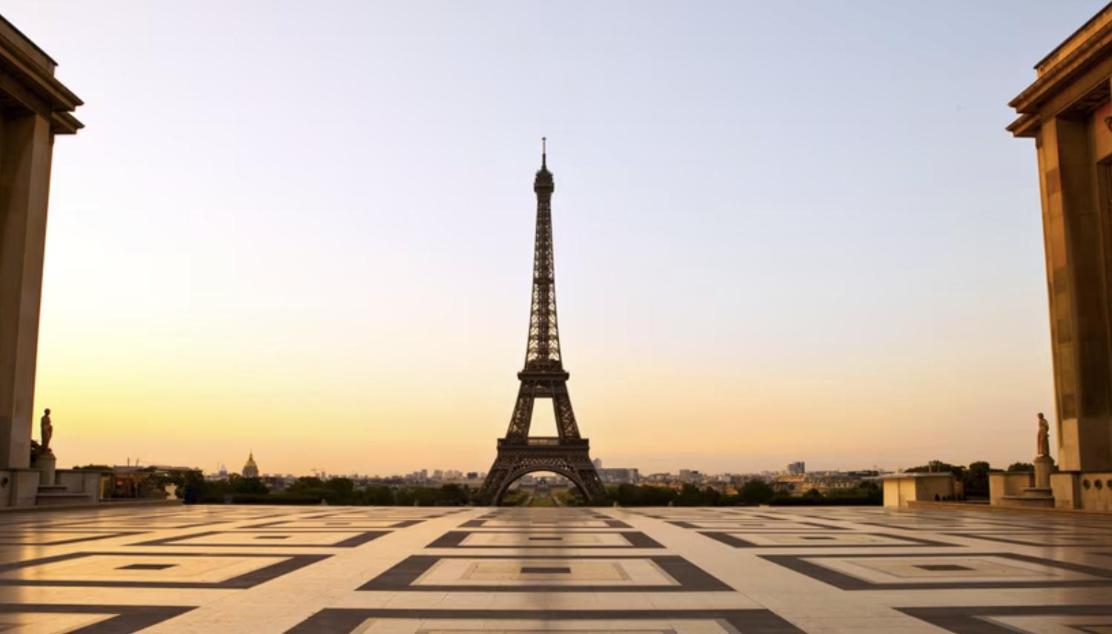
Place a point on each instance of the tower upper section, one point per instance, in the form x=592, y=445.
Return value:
x=543, y=351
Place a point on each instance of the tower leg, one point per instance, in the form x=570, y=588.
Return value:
x=565, y=416
x=523, y=413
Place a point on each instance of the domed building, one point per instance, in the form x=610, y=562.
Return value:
x=250, y=469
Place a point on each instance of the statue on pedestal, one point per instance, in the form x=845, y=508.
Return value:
x=47, y=430
x=1043, y=440
x=1044, y=464
x=43, y=459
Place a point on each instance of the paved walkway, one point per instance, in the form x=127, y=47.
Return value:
x=660, y=570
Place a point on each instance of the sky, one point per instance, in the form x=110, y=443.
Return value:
x=783, y=230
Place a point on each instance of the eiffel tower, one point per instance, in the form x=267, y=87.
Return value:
x=543, y=377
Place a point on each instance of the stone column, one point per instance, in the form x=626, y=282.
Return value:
x=1077, y=252
x=25, y=152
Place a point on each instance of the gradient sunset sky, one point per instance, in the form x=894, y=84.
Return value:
x=784, y=230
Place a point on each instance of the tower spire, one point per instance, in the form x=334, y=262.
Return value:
x=544, y=153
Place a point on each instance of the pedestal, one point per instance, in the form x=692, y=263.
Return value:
x=1038, y=496
x=45, y=465
x=1043, y=466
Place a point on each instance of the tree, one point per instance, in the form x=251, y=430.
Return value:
x=756, y=492
x=247, y=486
x=975, y=479
x=191, y=487
x=1021, y=467
x=453, y=495
x=871, y=489
x=641, y=495
x=310, y=487
x=378, y=495
x=404, y=496
x=690, y=495
x=340, y=491
x=937, y=466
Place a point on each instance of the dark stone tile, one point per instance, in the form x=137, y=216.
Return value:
x=1038, y=538
x=357, y=539
x=977, y=620
x=288, y=564
x=728, y=537
x=690, y=577
x=126, y=619
x=146, y=567
x=9, y=538
x=345, y=620
x=634, y=539
x=608, y=521
x=809, y=565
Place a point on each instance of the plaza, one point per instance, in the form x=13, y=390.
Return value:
x=437, y=569
x=262, y=340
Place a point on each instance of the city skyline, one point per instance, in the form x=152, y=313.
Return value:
x=752, y=272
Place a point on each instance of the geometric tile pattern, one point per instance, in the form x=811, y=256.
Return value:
x=351, y=523
x=792, y=539
x=755, y=526
x=584, y=523
x=1056, y=538
x=536, y=573
x=544, y=539
x=934, y=571
x=571, y=621
x=280, y=539
x=38, y=537
x=161, y=570
x=87, y=619
x=673, y=570
x=1089, y=619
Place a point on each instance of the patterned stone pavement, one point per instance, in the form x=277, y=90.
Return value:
x=448, y=570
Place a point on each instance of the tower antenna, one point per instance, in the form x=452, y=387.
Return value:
x=544, y=152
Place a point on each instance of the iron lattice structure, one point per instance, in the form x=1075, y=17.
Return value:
x=543, y=377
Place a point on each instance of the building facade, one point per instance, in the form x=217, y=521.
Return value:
x=36, y=108
x=1068, y=113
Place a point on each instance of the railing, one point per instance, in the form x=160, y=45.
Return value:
x=542, y=441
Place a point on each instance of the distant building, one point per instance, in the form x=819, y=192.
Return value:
x=690, y=476
x=128, y=482
x=619, y=476
x=250, y=469
x=797, y=468
x=277, y=482
x=597, y=462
